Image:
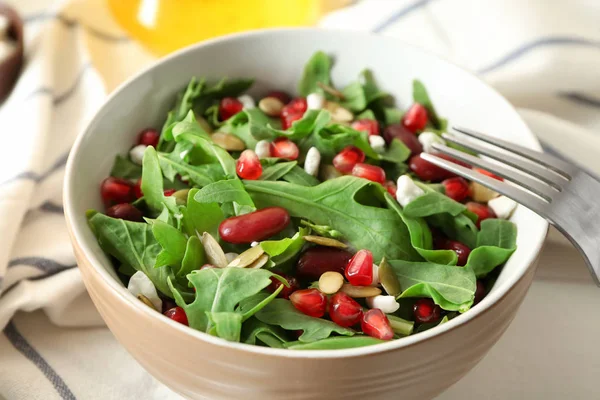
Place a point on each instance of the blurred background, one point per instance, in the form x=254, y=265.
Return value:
x=59, y=59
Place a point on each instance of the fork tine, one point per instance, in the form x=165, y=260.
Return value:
x=537, y=187
x=517, y=194
x=534, y=169
x=548, y=161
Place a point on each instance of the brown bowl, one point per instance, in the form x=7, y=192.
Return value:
x=10, y=68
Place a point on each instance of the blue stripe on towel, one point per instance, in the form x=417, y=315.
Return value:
x=396, y=16
x=542, y=42
x=29, y=175
x=41, y=263
x=22, y=345
x=32, y=279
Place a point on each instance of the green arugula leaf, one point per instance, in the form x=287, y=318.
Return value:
x=431, y=203
x=227, y=325
x=173, y=245
x=125, y=169
x=367, y=114
x=220, y=290
x=282, y=313
x=334, y=343
x=285, y=249
x=421, y=96
x=397, y=152
x=227, y=87
x=496, y=241
x=459, y=227
x=201, y=217
x=201, y=175
x=370, y=88
x=316, y=70
x=152, y=184
x=392, y=115
x=450, y=287
x=277, y=171
x=354, y=97
x=134, y=245
x=251, y=126
x=333, y=203
x=229, y=191
x=299, y=176
x=323, y=230
x=272, y=336
x=193, y=258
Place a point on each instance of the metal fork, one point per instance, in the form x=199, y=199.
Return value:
x=563, y=194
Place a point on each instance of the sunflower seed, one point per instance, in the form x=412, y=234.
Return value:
x=271, y=106
x=360, y=291
x=146, y=301
x=259, y=263
x=323, y=241
x=330, y=282
x=247, y=257
x=214, y=252
x=228, y=141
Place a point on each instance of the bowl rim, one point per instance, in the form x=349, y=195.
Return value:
x=125, y=297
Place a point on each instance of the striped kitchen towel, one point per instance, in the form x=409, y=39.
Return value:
x=543, y=56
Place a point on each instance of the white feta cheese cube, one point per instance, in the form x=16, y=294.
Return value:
x=377, y=143
x=387, y=304
x=247, y=101
x=502, y=206
x=139, y=283
x=136, y=154
x=254, y=244
x=315, y=101
x=312, y=161
x=407, y=190
x=262, y=149
x=427, y=140
x=375, y=275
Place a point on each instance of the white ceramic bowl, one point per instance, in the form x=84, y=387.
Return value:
x=197, y=365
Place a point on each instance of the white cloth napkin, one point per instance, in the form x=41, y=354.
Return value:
x=543, y=56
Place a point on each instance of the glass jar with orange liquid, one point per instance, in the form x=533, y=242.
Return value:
x=167, y=25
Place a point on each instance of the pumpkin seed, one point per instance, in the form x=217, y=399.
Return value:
x=330, y=282
x=146, y=301
x=231, y=256
x=328, y=171
x=332, y=91
x=360, y=291
x=339, y=113
x=228, y=141
x=271, y=106
x=181, y=196
x=260, y=262
x=323, y=241
x=247, y=257
x=388, y=278
x=481, y=193
x=204, y=124
x=214, y=252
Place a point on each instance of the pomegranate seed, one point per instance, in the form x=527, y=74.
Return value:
x=391, y=188
x=283, y=96
x=228, y=107
x=479, y=291
x=399, y=132
x=177, y=314
x=296, y=106
x=317, y=260
x=125, y=211
x=459, y=248
x=346, y=159
x=370, y=172
x=254, y=226
x=415, y=119
x=488, y=173
x=116, y=191
x=457, y=188
x=284, y=148
x=425, y=311
x=149, y=137
x=288, y=119
x=375, y=324
x=248, y=165
x=359, y=270
x=169, y=192
x=310, y=302
x=427, y=171
x=344, y=310
x=483, y=211
x=366, y=125
x=286, y=291
x=137, y=189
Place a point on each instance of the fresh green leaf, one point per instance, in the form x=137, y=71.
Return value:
x=201, y=217
x=334, y=203
x=431, y=203
x=201, y=175
x=354, y=97
x=193, y=258
x=496, y=242
x=277, y=171
x=285, y=249
x=152, y=184
x=273, y=336
x=299, y=176
x=260, y=301
x=397, y=152
x=251, y=126
x=334, y=343
x=367, y=114
x=125, y=169
x=451, y=287
x=421, y=96
x=316, y=70
x=228, y=87
x=392, y=115
x=371, y=91
x=323, y=230
x=229, y=191
x=282, y=313
x=173, y=245
x=228, y=325
x=220, y=290
x=460, y=227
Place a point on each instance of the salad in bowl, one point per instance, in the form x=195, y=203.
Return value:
x=305, y=222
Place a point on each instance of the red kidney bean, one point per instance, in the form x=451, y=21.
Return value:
x=255, y=226
x=317, y=260
x=125, y=211
x=407, y=137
